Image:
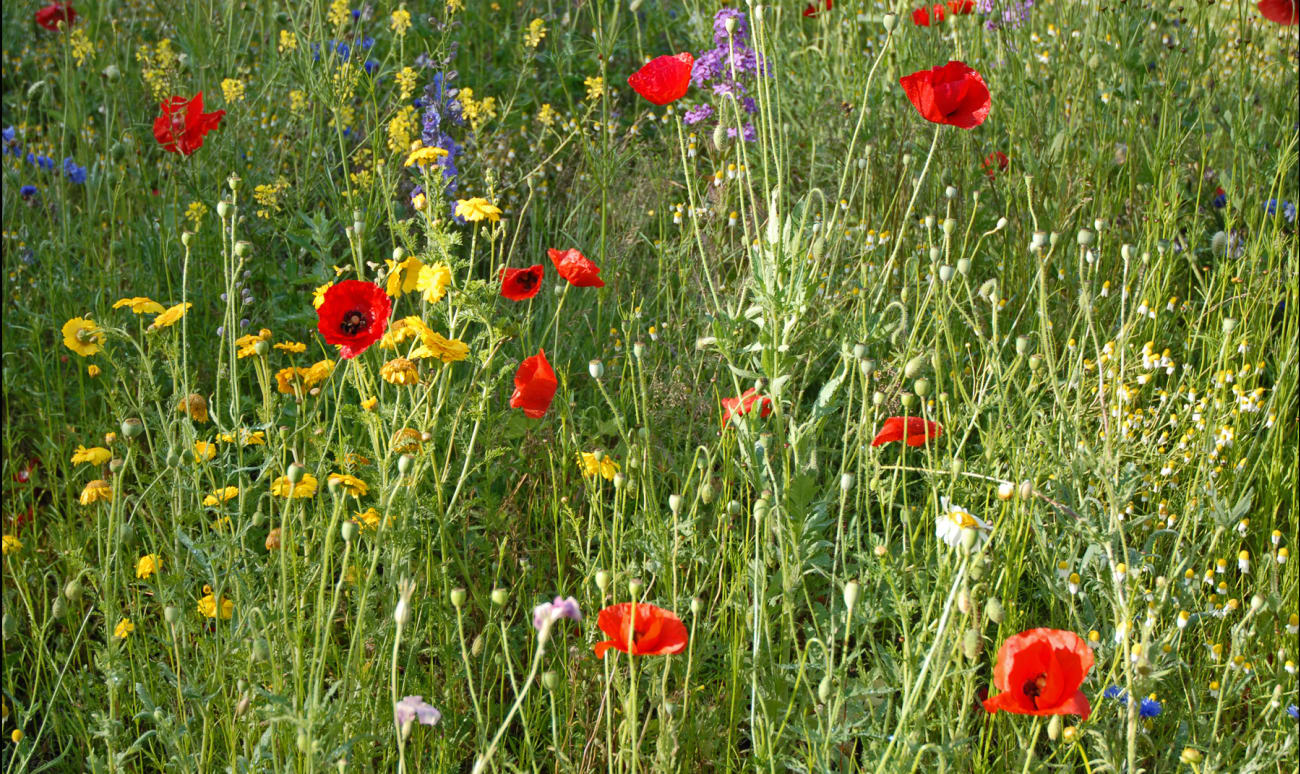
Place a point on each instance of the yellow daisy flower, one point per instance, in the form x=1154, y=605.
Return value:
x=446, y=350
x=424, y=156
x=291, y=346
x=211, y=606
x=11, y=544
x=95, y=491
x=477, y=209
x=195, y=405
x=123, y=629
x=350, y=484
x=367, y=519
x=139, y=305
x=222, y=495
x=95, y=455
x=304, y=489
x=204, y=451
x=82, y=335
x=318, y=295
x=433, y=282
x=399, y=370
x=170, y=317
x=403, y=275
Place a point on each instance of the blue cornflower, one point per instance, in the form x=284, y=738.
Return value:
x=1288, y=209
x=315, y=52
x=27, y=191
x=74, y=173
x=44, y=162
x=1113, y=692
x=1149, y=708
x=1293, y=711
x=367, y=42
x=356, y=14
x=10, y=141
x=371, y=66
x=1220, y=199
x=343, y=50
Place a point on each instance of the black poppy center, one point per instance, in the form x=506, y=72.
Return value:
x=1033, y=688
x=527, y=280
x=353, y=322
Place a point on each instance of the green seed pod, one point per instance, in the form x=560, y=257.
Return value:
x=73, y=590
x=457, y=597
x=1023, y=345
x=963, y=266
x=550, y=680
x=909, y=401
x=262, y=348
x=476, y=647
x=720, y=136
x=172, y=614
x=921, y=387
x=971, y=644
x=349, y=531
x=500, y=596
x=993, y=609
x=132, y=428
x=295, y=473
x=824, y=689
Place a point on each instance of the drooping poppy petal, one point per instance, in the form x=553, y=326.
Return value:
x=744, y=404
x=182, y=125
x=535, y=386
x=913, y=431
x=813, y=9
x=353, y=315
x=641, y=629
x=663, y=79
x=1285, y=12
x=50, y=16
x=1039, y=672
x=576, y=268
x=522, y=284
x=952, y=94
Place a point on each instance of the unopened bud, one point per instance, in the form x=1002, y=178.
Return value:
x=457, y=596
x=851, y=591
x=971, y=644
x=824, y=689
x=993, y=610
x=602, y=581
x=500, y=596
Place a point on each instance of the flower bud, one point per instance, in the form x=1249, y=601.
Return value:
x=550, y=680
x=405, y=464
x=457, y=596
x=706, y=493
x=720, y=134
x=1190, y=756
x=1001, y=224
x=1126, y=251
x=295, y=473
x=398, y=254
x=993, y=610
x=935, y=254
x=945, y=273
x=1006, y=490
x=675, y=503
x=500, y=596
x=59, y=608
x=846, y=482
x=851, y=592
x=261, y=649
x=964, y=602
x=349, y=531
x=1054, y=728
x=172, y=614
x=824, y=689
x=173, y=459
x=909, y=401
x=761, y=508
x=1053, y=238
x=187, y=237
x=602, y=581
x=273, y=539
x=697, y=605
x=1026, y=490
x=73, y=591
x=971, y=644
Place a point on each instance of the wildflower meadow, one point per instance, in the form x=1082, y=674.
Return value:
x=650, y=386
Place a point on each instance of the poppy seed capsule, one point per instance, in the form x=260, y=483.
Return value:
x=349, y=531
x=675, y=503
x=223, y=209
x=172, y=614
x=132, y=428
x=1026, y=490
x=1038, y=241
x=945, y=273
x=1085, y=237
x=242, y=248
x=909, y=401
x=851, y=591
x=602, y=581
x=963, y=266
x=697, y=605
x=499, y=596
x=635, y=587
x=846, y=482
x=1022, y=345
x=596, y=368
x=949, y=226
x=935, y=254
x=1001, y=224
x=457, y=596
x=1006, y=490
x=929, y=221
x=890, y=22
x=262, y=348
x=405, y=463
x=921, y=387
x=295, y=473
x=877, y=398
x=859, y=351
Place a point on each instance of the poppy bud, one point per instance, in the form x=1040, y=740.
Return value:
x=349, y=531
x=1006, y=490
x=949, y=226
x=914, y=366
x=945, y=273
x=223, y=209
x=172, y=614
x=921, y=387
x=596, y=368
x=851, y=591
x=295, y=473
x=963, y=266
x=261, y=649
x=173, y=459
x=635, y=586
x=1257, y=603
x=273, y=539
x=733, y=508
x=846, y=482
x=405, y=463
x=1026, y=490
x=1229, y=324
x=760, y=510
x=58, y=608
x=620, y=480
x=398, y=254
x=457, y=596
x=131, y=428
x=964, y=602
x=1022, y=345
x=73, y=591
x=971, y=644
x=877, y=398
x=500, y=596
x=549, y=680
x=602, y=581
x=989, y=289
x=1054, y=728
x=706, y=493
x=697, y=605
x=890, y=22
x=969, y=537
x=993, y=609
x=720, y=136
x=638, y=349
x=824, y=689
x=1126, y=251
x=262, y=348
x=907, y=159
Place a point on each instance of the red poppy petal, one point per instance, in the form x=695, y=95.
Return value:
x=1286, y=12
x=663, y=79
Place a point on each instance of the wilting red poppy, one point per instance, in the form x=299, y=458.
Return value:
x=994, y=163
x=813, y=10
x=961, y=7
x=522, y=284
x=641, y=630
x=953, y=94
x=183, y=123
x=576, y=268
x=535, y=385
x=663, y=79
x=1281, y=11
x=354, y=315
x=921, y=16
x=744, y=404
x=50, y=16
x=1039, y=673
x=913, y=431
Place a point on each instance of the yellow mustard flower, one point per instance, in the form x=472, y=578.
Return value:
x=11, y=544
x=477, y=209
x=403, y=275
x=95, y=491
x=222, y=495
x=170, y=316
x=147, y=566
x=82, y=335
x=401, y=21
x=95, y=455
x=123, y=629
x=535, y=32
x=350, y=484
x=139, y=305
x=399, y=370
x=304, y=489
x=433, y=282
x=210, y=606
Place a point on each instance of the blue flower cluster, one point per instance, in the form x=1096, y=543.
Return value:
x=1147, y=708
x=442, y=111
x=726, y=67
x=9, y=146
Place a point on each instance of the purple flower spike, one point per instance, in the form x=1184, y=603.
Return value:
x=416, y=708
x=549, y=612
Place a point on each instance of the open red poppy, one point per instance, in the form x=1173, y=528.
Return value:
x=921, y=16
x=50, y=16
x=576, y=268
x=183, y=123
x=641, y=629
x=353, y=315
x=994, y=163
x=1281, y=11
x=953, y=94
x=1039, y=673
x=535, y=386
x=663, y=79
x=961, y=7
x=913, y=431
x=522, y=284
x=813, y=9
x=744, y=404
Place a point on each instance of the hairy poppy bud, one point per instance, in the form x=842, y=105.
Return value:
x=851, y=591
x=993, y=609
x=675, y=503
x=1026, y=490
x=824, y=689
x=971, y=644
x=706, y=493
x=549, y=680
x=697, y=605
x=720, y=136
x=846, y=482
x=349, y=531
x=405, y=463
x=261, y=649
x=1054, y=728
x=172, y=614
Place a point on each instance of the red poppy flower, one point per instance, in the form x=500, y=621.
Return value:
x=663, y=79
x=994, y=163
x=961, y=7
x=50, y=16
x=913, y=431
x=354, y=315
x=921, y=16
x=535, y=385
x=744, y=404
x=183, y=123
x=24, y=473
x=522, y=284
x=953, y=94
x=576, y=268
x=641, y=630
x=1281, y=11
x=1039, y=673
x=812, y=9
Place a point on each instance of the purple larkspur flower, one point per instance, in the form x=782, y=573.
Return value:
x=697, y=114
x=416, y=708
x=548, y=613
